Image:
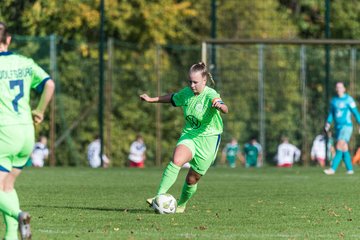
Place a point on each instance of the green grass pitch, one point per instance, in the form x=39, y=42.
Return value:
x=267, y=203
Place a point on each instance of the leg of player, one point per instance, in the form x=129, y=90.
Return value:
x=347, y=157
x=182, y=155
x=8, y=207
x=188, y=190
x=12, y=224
x=342, y=150
x=18, y=220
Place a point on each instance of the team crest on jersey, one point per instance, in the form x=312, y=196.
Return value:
x=194, y=122
x=199, y=107
x=341, y=105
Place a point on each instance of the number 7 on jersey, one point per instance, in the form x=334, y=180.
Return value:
x=13, y=84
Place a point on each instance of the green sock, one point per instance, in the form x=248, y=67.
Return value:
x=186, y=193
x=12, y=226
x=168, y=178
x=9, y=203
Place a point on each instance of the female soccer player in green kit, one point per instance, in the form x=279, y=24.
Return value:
x=18, y=75
x=200, y=138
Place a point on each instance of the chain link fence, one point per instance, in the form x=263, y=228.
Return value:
x=279, y=89
x=271, y=89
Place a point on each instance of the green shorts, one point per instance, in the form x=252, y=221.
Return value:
x=203, y=149
x=16, y=145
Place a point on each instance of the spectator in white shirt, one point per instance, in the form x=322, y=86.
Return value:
x=40, y=152
x=93, y=155
x=137, y=154
x=287, y=154
x=318, y=149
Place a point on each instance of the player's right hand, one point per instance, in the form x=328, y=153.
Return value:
x=37, y=116
x=145, y=97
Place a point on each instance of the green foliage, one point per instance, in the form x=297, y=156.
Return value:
x=254, y=19
x=141, y=28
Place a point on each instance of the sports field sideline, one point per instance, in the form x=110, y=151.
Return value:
x=267, y=203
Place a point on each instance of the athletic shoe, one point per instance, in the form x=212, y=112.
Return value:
x=180, y=209
x=329, y=171
x=350, y=172
x=150, y=201
x=24, y=225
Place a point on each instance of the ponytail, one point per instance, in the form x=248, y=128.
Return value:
x=201, y=67
x=211, y=78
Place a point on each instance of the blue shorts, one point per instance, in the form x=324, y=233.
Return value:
x=343, y=133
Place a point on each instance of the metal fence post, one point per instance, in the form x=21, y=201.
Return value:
x=158, y=107
x=53, y=69
x=305, y=148
x=261, y=98
x=108, y=95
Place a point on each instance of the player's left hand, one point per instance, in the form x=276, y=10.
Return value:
x=38, y=116
x=217, y=103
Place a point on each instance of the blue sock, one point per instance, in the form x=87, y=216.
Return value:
x=347, y=160
x=337, y=159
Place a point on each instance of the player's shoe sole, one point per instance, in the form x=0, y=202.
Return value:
x=329, y=171
x=180, y=209
x=150, y=201
x=24, y=225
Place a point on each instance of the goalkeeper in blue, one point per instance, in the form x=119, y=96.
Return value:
x=341, y=108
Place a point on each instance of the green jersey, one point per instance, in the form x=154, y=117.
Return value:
x=251, y=152
x=18, y=75
x=231, y=151
x=201, y=119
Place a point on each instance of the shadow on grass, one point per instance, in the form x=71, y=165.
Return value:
x=125, y=210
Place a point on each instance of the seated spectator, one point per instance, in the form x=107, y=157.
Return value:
x=137, y=154
x=318, y=149
x=252, y=155
x=93, y=155
x=287, y=154
x=231, y=153
x=40, y=152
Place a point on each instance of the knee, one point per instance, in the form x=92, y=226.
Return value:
x=177, y=162
x=342, y=145
x=192, y=179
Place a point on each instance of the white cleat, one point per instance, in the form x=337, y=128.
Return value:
x=180, y=209
x=329, y=171
x=24, y=225
x=350, y=172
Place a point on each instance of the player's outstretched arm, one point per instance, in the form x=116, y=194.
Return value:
x=160, y=99
x=38, y=113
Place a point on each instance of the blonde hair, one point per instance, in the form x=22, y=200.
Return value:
x=201, y=67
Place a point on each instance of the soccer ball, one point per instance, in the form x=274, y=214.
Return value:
x=164, y=204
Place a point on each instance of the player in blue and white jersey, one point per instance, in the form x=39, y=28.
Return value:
x=341, y=108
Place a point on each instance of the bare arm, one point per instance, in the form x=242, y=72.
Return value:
x=38, y=113
x=160, y=99
x=220, y=106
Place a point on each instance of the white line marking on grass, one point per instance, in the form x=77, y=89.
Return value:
x=53, y=231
